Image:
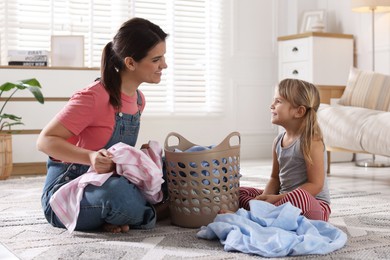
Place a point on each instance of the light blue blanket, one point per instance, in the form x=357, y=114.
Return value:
x=271, y=231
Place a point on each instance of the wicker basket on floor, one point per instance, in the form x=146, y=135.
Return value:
x=5, y=156
x=202, y=183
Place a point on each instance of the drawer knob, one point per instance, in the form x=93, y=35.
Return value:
x=295, y=72
x=295, y=49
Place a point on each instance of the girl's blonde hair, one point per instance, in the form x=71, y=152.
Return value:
x=302, y=93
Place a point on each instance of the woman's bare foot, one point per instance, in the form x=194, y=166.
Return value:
x=115, y=228
x=162, y=210
x=225, y=211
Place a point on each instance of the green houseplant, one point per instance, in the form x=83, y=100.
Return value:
x=9, y=120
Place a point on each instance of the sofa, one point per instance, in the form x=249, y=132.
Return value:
x=360, y=121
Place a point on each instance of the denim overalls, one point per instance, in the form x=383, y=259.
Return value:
x=117, y=201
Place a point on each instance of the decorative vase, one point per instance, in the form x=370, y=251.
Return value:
x=5, y=156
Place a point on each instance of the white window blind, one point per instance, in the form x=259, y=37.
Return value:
x=192, y=82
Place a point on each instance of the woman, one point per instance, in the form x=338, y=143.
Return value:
x=99, y=116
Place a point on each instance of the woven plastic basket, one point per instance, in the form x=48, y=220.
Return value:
x=202, y=183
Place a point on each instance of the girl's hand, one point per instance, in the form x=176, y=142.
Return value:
x=102, y=162
x=261, y=197
x=270, y=198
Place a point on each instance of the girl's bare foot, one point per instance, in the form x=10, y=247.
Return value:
x=115, y=228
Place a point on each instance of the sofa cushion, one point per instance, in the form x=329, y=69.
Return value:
x=376, y=134
x=342, y=125
x=355, y=128
x=367, y=89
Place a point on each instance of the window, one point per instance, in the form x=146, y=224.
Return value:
x=192, y=82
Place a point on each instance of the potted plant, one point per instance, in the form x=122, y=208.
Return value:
x=9, y=120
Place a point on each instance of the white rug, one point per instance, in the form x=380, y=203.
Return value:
x=363, y=215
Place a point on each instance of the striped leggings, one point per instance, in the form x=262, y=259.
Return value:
x=310, y=206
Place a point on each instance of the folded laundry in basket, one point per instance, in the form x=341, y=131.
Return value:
x=196, y=148
x=205, y=164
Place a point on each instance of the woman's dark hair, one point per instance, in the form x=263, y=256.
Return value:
x=135, y=39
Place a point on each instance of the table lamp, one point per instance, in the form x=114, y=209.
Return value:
x=372, y=6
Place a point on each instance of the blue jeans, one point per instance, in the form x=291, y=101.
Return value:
x=117, y=201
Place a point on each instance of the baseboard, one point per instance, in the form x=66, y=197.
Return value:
x=32, y=168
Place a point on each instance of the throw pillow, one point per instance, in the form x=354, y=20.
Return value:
x=367, y=89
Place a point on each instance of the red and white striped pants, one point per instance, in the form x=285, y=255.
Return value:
x=311, y=207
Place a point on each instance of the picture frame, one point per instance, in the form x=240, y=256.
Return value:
x=310, y=18
x=67, y=51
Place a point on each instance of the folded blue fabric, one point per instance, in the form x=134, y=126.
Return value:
x=271, y=231
x=195, y=148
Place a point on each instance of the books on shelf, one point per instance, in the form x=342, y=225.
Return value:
x=28, y=57
x=27, y=63
x=27, y=52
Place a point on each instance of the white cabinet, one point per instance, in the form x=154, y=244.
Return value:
x=320, y=58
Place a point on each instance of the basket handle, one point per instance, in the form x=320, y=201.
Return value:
x=181, y=141
x=226, y=143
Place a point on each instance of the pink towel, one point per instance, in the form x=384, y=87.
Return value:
x=142, y=167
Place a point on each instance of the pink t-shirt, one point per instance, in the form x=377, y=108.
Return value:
x=91, y=118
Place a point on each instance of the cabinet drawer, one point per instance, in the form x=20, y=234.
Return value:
x=296, y=70
x=294, y=50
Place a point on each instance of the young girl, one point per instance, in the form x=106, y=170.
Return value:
x=299, y=154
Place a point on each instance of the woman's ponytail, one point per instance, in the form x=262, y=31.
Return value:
x=110, y=77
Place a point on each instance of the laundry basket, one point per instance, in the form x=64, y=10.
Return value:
x=201, y=183
x=5, y=156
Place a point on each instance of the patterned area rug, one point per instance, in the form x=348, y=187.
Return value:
x=362, y=214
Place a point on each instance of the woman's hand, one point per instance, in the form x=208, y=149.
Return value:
x=102, y=162
x=145, y=146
